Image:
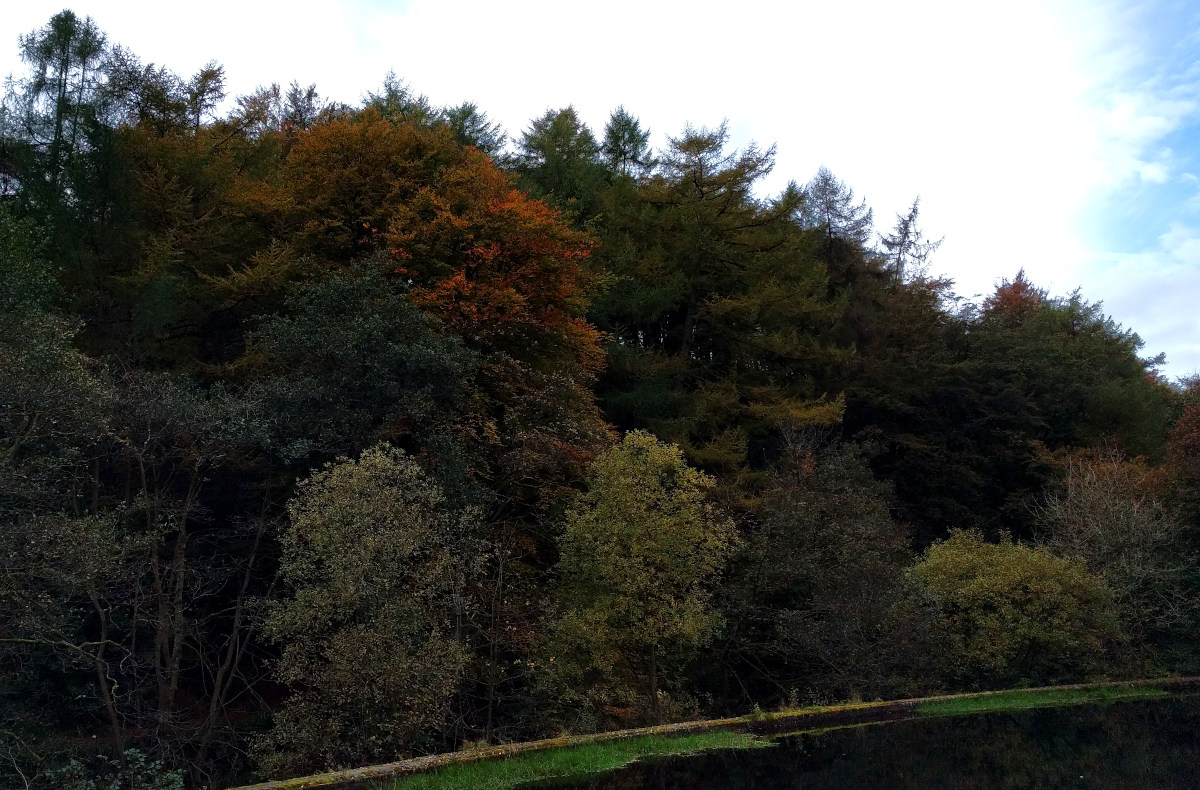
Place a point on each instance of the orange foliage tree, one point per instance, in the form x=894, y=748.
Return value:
x=505, y=274
x=500, y=270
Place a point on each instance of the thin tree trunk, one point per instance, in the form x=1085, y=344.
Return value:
x=233, y=650
x=654, y=684
x=492, y=642
x=178, y=588
x=110, y=705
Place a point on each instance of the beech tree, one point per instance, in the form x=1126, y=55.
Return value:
x=198, y=309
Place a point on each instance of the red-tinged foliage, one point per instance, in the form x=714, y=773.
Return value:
x=345, y=179
x=502, y=270
x=1014, y=299
x=517, y=279
x=1183, y=461
x=1185, y=436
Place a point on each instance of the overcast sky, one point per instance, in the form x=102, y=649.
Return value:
x=1058, y=136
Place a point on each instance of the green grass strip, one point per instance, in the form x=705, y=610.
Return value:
x=1023, y=700
x=575, y=762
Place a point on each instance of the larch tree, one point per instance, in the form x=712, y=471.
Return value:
x=59, y=98
x=715, y=304
x=906, y=247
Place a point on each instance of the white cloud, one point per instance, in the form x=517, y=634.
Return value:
x=1160, y=286
x=1008, y=119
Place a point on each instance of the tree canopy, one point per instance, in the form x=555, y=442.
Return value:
x=333, y=433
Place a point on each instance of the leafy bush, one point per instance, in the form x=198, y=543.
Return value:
x=1012, y=614
x=141, y=772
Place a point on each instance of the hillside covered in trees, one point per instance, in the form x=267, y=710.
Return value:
x=331, y=434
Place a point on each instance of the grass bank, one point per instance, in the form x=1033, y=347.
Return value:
x=1024, y=699
x=575, y=762
x=584, y=754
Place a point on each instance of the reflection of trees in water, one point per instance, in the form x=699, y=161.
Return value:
x=1123, y=746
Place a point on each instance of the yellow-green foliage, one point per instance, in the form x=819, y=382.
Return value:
x=378, y=567
x=1011, y=613
x=641, y=550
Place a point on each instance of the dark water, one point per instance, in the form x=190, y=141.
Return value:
x=1124, y=745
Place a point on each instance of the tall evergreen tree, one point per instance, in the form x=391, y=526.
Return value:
x=626, y=145
x=559, y=159
x=471, y=126
x=829, y=204
x=715, y=305
x=906, y=248
x=58, y=100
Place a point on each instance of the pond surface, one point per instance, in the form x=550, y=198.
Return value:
x=1124, y=745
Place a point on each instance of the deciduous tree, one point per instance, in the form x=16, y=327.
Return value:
x=640, y=553
x=373, y=631
x=1014, y=614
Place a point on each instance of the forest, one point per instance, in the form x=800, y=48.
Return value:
x=333, y=434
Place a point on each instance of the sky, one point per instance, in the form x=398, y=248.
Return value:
x=1057, y=136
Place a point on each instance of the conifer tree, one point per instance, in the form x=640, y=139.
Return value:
x=559, y=159
x=905, y=247
x=715, y=301
x=471, y=126
x=59, y=98
x=626, y=145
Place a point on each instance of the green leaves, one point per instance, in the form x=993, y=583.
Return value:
x=1013, y=614
x=26, y=280
x=626, y=145
x=559, y=159
x=640, y=552
x=378, y=567
x=351, y=362
x=716, y=308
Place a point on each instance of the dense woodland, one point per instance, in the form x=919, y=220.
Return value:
x=331, y=434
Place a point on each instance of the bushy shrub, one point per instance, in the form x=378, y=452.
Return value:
x=1012, y=614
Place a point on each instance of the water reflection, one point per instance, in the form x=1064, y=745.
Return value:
x=1125, y=745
